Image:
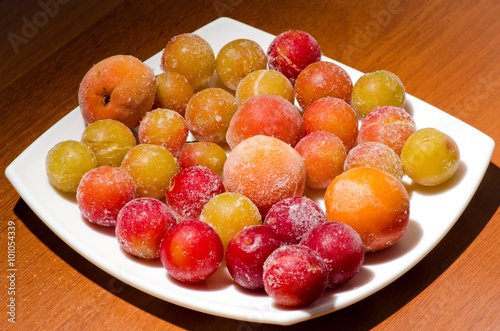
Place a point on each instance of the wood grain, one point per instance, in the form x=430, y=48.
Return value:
x=446, y=53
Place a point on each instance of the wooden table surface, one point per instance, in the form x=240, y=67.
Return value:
x=445, y=52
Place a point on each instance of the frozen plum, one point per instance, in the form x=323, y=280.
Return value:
x=340, y=247
x=209, y=113
x=332, y=115
x=246, y=253
x=173, y=91
x=120, y=87
x=266, y=170
x=151, y=167
x=228, y=213
x=322, y=79
x=374, y=203
x=324, y=155
x=67, y=162
x=375, y=155
x=291, y=51
x=102, y=193
x=268, y=115
x=166, y=128
x=377, y=89
x=191, y=189
x=141, y=225
x=191, y=56
x=295, y=275
x=203, y=153
x=430, y=157
x=387, y=125
x=191, y=251
x=292, y=217
x=237, y=59
x=265, y=82
x=110, y=140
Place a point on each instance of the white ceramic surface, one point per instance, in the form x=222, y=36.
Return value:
x=433, y=212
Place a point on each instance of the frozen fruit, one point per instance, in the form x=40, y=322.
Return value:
x=387, y=125
x=371, y=201
x=166, y=128
x=291, y=51
x=265, y=82
x=67, y=162
x=141, y=225
x=209, y=113
x=322, y=79
x=120, y=87
x=228, y=213
x=268, y=115
x=295, y=275
x=375, y=155
x=377, y=89
x=292, y=217
x=191, y=189
x=151, y=167
x=102, y=193
x=266, y=170
x=430, y=157
x=332, y=115
x=191, y=56
x=173, y=91
x=246, y=253
x=324, y=155
x=340, y=247
x=110, y=140
x=204, y=153
x=191, y=251
x=237, y=59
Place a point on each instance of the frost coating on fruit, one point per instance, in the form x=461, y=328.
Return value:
x=191, y=189
x=141, y=225
x=266, y=170
x=375, y=155
x=295, y=275
x=341, y=249
x=102, y=193
x=387, y=125
x=265, y=82
x=292, y=217
x=120, y=87
x=268, y=115
x=191, y=56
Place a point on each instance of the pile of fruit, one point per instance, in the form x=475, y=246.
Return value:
x=237, y=191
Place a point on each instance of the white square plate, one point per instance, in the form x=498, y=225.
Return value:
x=433, y=212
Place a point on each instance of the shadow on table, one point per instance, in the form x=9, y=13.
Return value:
x=373, y=310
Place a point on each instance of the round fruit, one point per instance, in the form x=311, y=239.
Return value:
x=191, y=56
x=102, y=193
x=430, y=157
x=203, y=153
x=191, y=251
x=265, y=82
x=371, y=201
x=110, y=140
x=246, y=253
x=119, y=87
x=295, y=275
x=377, y=89
x=266, y=170
x=237, y=59
x=67, y=162
x=173, y=91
